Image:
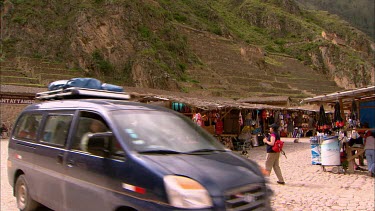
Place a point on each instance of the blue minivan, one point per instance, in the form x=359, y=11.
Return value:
x=111, y=154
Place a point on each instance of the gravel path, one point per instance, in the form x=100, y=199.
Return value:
x=307, y=186
x=8, y=202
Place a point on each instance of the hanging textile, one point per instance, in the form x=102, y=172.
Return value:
x=337, y=119
x=197, y=118
x=248, y=119
x=219, y=127
x=337, y=115
x=353, y=112
x=240, y=120
x=277, y=117
x=322, y=122
x=353, y=118
x=264, y=114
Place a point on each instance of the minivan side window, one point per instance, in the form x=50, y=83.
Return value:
x=56, y=129
x=91, y=123
x=27, y=127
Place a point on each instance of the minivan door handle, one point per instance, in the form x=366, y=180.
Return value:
x=71, y=163
x=60, y=158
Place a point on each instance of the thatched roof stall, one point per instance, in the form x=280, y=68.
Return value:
x=229, y=110
x=202, y=102
x=346, y=97
x=275, y=100
x=310, y=108
x=362, y=98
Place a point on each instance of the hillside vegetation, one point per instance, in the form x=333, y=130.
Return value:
x=360, y=13
x=230, y=48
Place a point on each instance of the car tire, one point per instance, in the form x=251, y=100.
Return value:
x=23, y=198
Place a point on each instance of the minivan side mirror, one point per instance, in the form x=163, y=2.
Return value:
x=98, y=143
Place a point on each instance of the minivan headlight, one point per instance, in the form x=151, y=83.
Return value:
x=184, y=192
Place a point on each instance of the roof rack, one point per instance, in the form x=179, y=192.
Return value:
x=81, y=93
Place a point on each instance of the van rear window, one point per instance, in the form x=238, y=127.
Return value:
x=27, y=127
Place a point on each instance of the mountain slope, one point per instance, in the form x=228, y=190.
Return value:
x=360, y=13
x=231, y=48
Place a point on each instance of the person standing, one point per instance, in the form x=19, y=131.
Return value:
x=290, y=128
x=370, y=152
x=3, y=131
x=272, y=159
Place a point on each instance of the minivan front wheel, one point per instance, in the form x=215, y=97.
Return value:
x=24, y=200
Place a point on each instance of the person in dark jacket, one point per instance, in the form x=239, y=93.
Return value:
x=272, y=160
x=290, y=128
x=3, y=131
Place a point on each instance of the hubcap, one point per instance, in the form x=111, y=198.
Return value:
x=21, y=199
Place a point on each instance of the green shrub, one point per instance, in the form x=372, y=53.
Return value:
x=20, y=20
x=101, y=64
x=270, y=48
x=179, y=17
x=37, y=56
x=144, y=32
x=279, y=41
x=217, y=30
x=182, y=67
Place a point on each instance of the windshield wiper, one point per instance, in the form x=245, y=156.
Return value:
x=160, y=151
x=207, y=150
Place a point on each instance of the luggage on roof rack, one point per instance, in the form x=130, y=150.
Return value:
x=81, y=93
x=88, y=83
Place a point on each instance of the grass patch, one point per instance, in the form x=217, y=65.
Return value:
x=144, y=32
x=273, y=61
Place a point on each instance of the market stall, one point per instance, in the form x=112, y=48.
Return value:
x=353, y=111
x=224, y=118
x=359, y=103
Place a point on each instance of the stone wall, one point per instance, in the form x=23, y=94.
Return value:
x=13, y=100
x=9, y=113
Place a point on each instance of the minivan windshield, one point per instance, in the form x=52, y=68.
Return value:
x=161, y=132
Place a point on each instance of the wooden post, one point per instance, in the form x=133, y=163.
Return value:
x=239, y=125
x=264, y=124
x=351, y=158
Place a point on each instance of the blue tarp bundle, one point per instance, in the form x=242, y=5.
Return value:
x=89, y=83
